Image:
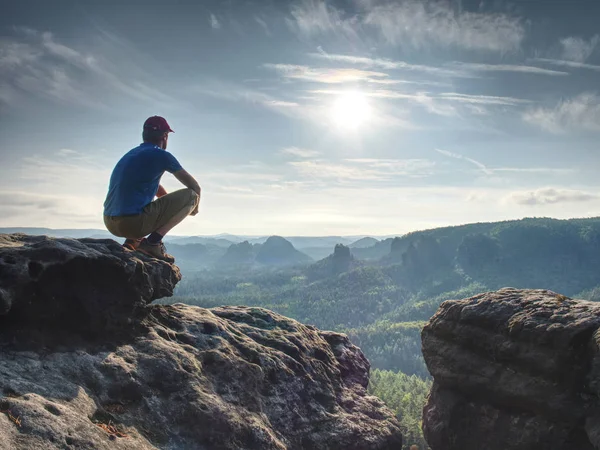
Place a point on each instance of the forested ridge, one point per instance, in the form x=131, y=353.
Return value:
x=383, y=304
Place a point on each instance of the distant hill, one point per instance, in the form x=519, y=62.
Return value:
x=242, y=254
x=561, y=255
x=191, y=257
x=72, y=233
x=219, y=242
x=375, y=252
x=365, y=242
x=318, y=253
x=277, y=251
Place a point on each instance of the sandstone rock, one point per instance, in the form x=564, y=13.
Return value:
x=174, y=377
x=84, y=284
x=513, y=369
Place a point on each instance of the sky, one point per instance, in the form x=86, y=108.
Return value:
x=306, y=117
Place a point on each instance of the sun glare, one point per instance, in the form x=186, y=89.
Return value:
x=351, y=110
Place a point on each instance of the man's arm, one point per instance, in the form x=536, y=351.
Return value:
x=189, y=182
x=161, y=192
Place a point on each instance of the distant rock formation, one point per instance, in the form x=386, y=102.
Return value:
x=514, y=369
x=85, y=362
x=340, y=261
x=365, y=242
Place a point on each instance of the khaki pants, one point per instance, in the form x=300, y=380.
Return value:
x=155, y=215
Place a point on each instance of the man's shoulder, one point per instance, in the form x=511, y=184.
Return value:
x=144, y=151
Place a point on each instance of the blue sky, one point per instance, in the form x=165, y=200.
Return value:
x=306, y=117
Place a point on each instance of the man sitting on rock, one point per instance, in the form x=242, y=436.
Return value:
x=129, y=209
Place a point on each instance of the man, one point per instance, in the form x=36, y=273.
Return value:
x=129, y=209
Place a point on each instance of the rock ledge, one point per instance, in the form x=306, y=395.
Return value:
x=128, y=375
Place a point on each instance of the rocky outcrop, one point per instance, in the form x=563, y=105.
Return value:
x=514, y=369
x=169, y=377
x=88, y=284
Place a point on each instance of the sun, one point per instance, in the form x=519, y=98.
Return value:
x=351, y=110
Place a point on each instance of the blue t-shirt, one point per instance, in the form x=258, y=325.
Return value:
x=135, y=179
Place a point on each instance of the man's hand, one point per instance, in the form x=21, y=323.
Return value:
x=189, y=182
x=161, y=191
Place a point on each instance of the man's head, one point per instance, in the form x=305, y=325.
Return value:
x=156, y=131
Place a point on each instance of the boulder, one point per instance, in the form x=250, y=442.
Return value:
x=85, y=284
x=513, y=369
x=168, y=376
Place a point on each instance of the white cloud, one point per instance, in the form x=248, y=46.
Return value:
x=235, y=93
x=411, y=23
x=214, y=22
x=578, y=113
x=363, y=169
x=388, y=64
x=571, y=64
x=422, y=24
x=482, y=167
x=482, y=99
x=550, y=196
x=263, y=24
x=577, y=49
x=299, y=152
x=314, y=17
x=67, y=152
x=508, y=68
x=37, y=63
x=330, y=76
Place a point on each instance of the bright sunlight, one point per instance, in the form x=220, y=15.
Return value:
x=351, y=110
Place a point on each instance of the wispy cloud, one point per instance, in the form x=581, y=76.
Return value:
x=214, y=22
x=483, y=99
x=27, y=200
x=577, y=49
x=423, y=97
x=330, y=76
x=578, y=113
x=388, y=64
x=237, y=93
x=66, y=152
x=411, y=24
x=37, y=63
x=482, y=167
x=508, y=68
x=299, y=152
x=422, y=24
x=363, y=169
x=550, y=196
x=571, y=64
x=313, y=17
x=263, y=24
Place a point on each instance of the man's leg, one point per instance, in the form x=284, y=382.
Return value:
x=162, y=215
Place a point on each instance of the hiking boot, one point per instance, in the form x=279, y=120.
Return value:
x=132, y=244
x=157, y=251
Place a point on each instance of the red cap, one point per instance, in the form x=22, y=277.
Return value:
x=157, y=123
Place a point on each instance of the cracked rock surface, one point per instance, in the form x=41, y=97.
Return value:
x=513, y=369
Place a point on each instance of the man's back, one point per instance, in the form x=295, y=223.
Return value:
x=135, y=179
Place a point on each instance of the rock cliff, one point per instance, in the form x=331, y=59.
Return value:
x=514, y=369
x=87, y=362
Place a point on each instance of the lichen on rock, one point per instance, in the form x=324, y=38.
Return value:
x=513, y=369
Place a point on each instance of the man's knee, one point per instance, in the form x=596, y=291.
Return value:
x=194, y=199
